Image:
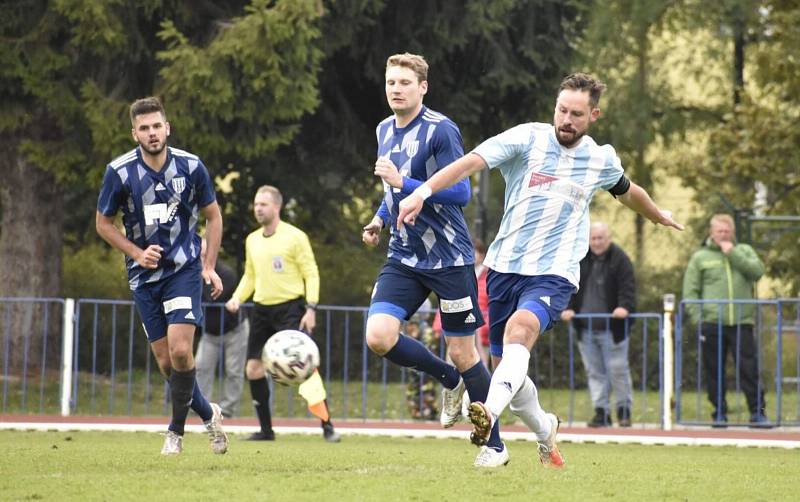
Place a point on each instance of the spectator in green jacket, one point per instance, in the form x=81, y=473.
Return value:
x=725, y=270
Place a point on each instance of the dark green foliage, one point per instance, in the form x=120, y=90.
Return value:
x=492, y=65
x=105, y=278
x=755, y=145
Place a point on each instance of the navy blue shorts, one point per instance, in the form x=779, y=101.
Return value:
x=400, y=290
x=543, y=295
x=174, y=300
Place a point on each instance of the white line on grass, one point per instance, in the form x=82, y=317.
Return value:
x=368, y=431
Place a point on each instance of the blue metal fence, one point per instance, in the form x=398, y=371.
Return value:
x=31, y=354
x=645, y=356
x=776, y=328
x=113, y=372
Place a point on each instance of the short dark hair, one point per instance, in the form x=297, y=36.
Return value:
x=585, y=83
x=147, y=105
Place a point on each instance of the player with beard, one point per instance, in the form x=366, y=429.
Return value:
x=160, y=191
x=552, y=171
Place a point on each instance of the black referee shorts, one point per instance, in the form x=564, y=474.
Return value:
x=269, y=319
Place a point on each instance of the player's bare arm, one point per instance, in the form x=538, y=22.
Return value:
x=213, y=238
x=388, y=172
x=447, y=177
x=147, y=258
x=639, y=200
x=372, y=232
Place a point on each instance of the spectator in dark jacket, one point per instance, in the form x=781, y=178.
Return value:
x=607, y=286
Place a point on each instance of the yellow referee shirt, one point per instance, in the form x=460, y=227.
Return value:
x=279, y=268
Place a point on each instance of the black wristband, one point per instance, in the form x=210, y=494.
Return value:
x=312, y=306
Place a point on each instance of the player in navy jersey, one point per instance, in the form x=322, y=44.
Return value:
x=552, y=172
x=161, y=191
x=435, y=255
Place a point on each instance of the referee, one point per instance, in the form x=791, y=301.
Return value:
x=282, y=277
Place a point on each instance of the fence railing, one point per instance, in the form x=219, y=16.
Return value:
x=714, y=343
x=91, y=356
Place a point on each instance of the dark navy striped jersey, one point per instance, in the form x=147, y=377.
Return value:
x=158, y=208
x=439, y=237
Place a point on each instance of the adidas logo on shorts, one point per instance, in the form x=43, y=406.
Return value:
x=189, y=316
x=470, y=318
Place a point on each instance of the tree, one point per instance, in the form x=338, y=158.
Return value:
x=639, y=109
x=756, y=143
x=492, y=65
x=70, y=68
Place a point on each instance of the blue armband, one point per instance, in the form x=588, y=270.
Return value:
x=456, y=195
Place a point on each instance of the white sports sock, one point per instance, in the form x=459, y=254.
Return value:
x=507, y=377
x=525, y=405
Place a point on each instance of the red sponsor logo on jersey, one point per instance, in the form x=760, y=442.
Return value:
x=541, y=179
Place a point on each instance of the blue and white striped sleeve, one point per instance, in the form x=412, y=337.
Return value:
x=612, y=170
x=111, y=193
x=506, y=145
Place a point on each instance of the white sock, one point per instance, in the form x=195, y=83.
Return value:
x=508, y=377
x=525, y=405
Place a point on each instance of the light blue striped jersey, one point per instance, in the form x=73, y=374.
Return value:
x=158, y=208
x=439, y=237
x=545, y=225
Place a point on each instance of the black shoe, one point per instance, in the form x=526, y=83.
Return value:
x=759, y=420
x=719, y=422
x=262, y=436
x=602, y=418
x=624, y=416
x=329, y=434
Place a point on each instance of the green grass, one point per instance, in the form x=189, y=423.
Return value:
x=99, y=397
x=90, y=466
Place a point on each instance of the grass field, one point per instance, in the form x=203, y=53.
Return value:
x=127, y=466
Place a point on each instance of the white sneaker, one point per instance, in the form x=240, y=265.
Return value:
x=548, y=449
x=489, y=457
x=465, y=406
x=173, y=444
x=451, y=404
x=216, y=436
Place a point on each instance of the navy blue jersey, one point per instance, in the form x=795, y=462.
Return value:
x=158, y=208
x=439, y=238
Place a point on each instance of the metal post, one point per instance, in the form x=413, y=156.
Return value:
x=66, y=359
x=667, y=370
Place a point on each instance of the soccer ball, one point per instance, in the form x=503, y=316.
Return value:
x=290, y=356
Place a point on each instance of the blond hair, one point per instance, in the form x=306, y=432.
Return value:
x=414, y=62
x=723, y=218
x=273, y=192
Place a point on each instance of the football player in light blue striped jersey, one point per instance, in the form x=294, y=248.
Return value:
x=551, y=171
